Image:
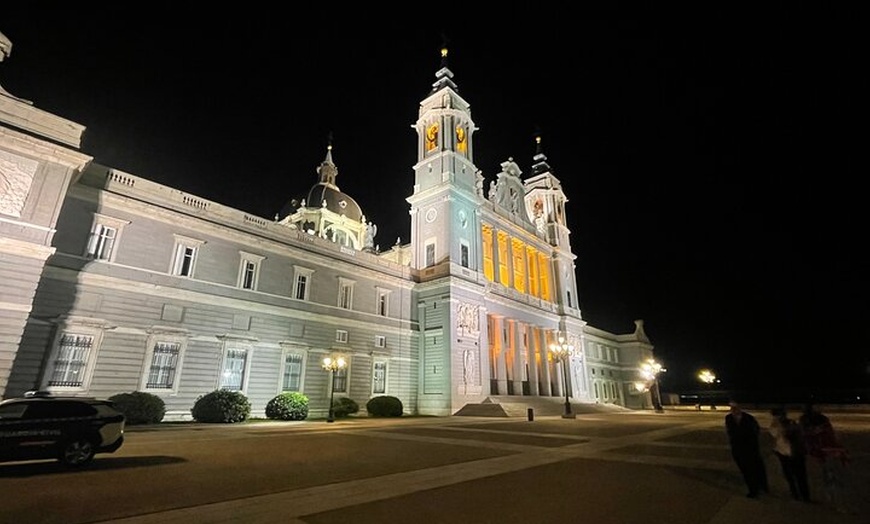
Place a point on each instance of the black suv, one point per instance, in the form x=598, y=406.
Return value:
x=69, y=429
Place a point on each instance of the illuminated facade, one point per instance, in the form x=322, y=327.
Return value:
x=116, y=283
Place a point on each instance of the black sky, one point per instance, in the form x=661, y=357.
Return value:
x=710, y=159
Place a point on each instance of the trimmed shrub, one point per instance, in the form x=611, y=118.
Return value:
x=384, y=406
x=221, y=405
x=344, y=406
x=139, y=407
x=288, y=406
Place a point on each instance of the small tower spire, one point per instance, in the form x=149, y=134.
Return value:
x=444, y=76
x=540, y=164
x=443, y=50
x=327, y=169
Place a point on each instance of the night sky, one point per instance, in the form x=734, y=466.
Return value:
x=710, y=160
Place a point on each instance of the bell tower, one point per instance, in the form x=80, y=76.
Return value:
x=447, y=185
x=546, y=201
x=445, y=250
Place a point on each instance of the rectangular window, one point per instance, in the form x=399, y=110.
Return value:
x=345, y=296
x=249, y=270
x=544, y=274
x=503, y=275
x=345, y=293
x=430, y=254
x=292, y=379
x=68, y=368
x=380, y=341
x=341, y=336
x=487, y=253
x=233, y=375
x=519, y=253
x=184, y=261
x=102, y=241
x=105, y=235
x=302, y=283
x=339, y=380
x=463, y=254
x=184, y=258
x=164, y=361
x=301, y=287
x=379, y=377
x=531, y=256
x=383, y=304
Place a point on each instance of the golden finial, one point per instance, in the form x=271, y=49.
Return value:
x=443, y=50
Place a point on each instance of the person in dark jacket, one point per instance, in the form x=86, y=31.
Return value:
x=743, y=437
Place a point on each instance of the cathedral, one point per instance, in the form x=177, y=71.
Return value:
x=114, y=283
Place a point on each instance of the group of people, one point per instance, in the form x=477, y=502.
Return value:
x=812, y=435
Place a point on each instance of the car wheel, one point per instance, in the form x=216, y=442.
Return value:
x=77, y=452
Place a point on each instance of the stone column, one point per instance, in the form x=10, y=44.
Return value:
x=518, y=353
x=534, y=360
x=500, y=362
x=522, y=373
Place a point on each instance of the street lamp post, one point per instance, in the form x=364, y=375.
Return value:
x=332, y=364
x=562, y=352
x=642, y=387
x=650, y=370
x=706, y=376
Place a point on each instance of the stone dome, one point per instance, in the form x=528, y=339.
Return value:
x=325, y=194
x=335, y=201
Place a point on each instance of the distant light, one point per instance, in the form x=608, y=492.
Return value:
x=707, y=376
x=650, y=369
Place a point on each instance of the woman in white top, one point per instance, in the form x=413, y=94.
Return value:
x=789, y=448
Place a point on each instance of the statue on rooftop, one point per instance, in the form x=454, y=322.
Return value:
x=5, y=50
x=5, y=47
x=371, y=231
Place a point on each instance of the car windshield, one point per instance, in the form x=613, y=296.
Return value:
x=59, y=409
x=105, y=409
x=12, y=411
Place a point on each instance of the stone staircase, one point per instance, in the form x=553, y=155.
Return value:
x=518, y=406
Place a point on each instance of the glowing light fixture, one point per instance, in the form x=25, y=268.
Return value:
x=649, y=371
x=332, y=364
x=562, y=352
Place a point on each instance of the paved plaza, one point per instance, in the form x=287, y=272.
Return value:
x=616, y=467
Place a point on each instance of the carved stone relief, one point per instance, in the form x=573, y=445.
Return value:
x=467, y=321
x=468, y=366
x=16, y=177
x=467, y=324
